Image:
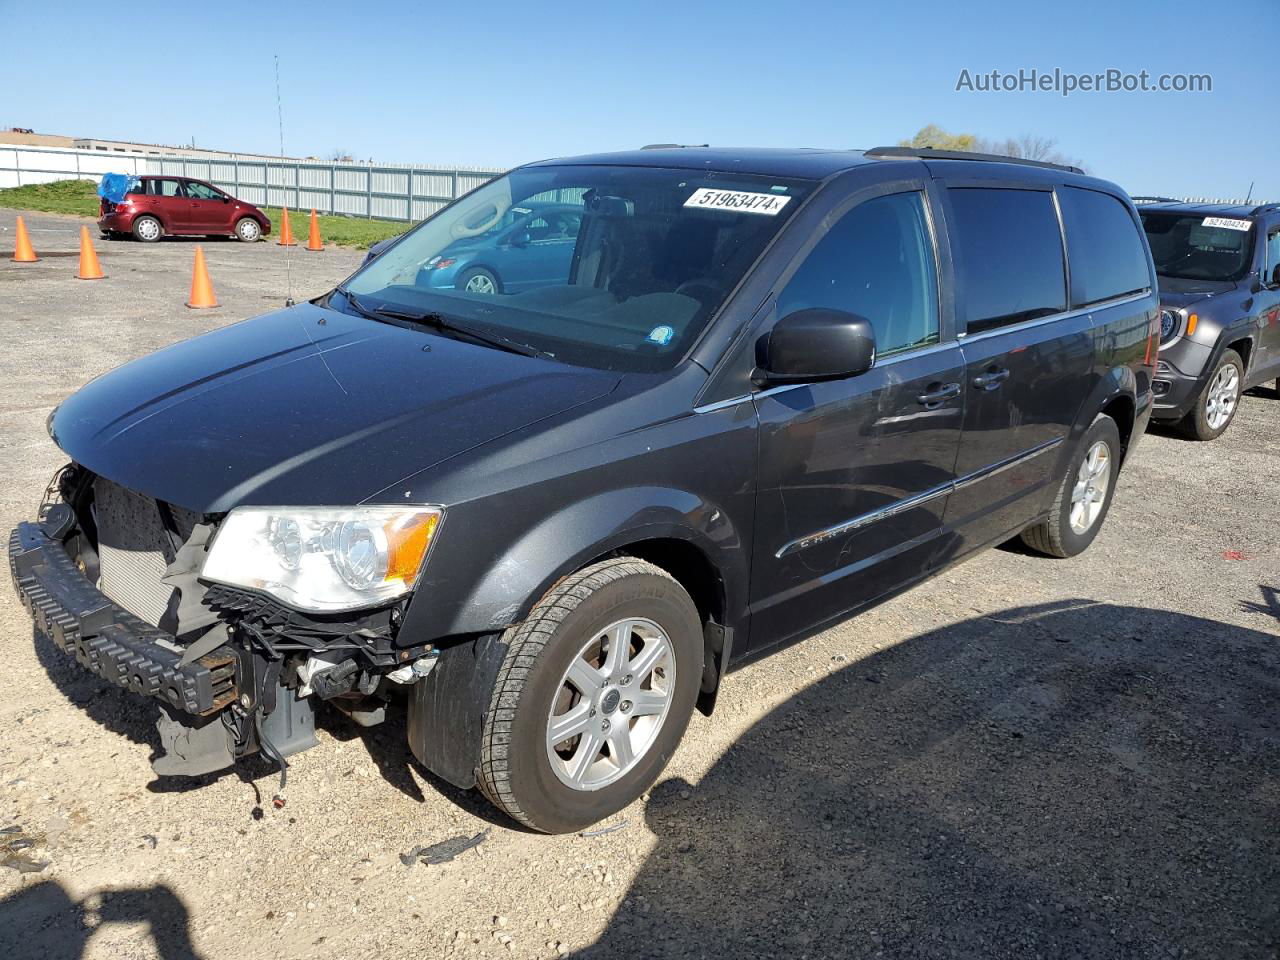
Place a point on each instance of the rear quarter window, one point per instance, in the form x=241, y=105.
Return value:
x=1009, y=248
x=1104, y=246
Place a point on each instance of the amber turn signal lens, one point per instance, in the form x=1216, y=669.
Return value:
x=407, y=543
x=1191, y=323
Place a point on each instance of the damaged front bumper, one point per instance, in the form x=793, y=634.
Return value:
x=108, y=640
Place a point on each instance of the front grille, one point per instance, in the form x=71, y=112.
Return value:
x=135, y=549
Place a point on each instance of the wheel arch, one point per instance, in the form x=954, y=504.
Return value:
x=1116, y=395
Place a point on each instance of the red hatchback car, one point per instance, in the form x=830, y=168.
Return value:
x=181, y=206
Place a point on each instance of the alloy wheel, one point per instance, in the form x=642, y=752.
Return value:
x=1222, y=397
x=610, y=704
x=1090, y=491
x=481, y=283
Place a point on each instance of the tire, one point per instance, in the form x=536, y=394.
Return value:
x=1067, y=533
x=148, y=229
x=566, y=633
x=248, y=230
x=1222, y=388
x=479, y=280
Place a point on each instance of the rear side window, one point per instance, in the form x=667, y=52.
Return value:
x=1010, y=256
x=1108, y=258
x=877, y=261
x=165, y=188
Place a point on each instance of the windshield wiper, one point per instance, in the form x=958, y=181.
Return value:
x=443, y=323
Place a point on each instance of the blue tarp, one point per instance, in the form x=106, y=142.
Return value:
x=115, y=185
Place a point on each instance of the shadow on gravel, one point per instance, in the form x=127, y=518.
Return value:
x=116, y=709
x=43, y=921
x=1073, y=779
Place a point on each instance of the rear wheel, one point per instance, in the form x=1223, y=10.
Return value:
x=1216, y=405
x=595, y=692
x=147, y=229
x=1084, y=497
x=247, y=230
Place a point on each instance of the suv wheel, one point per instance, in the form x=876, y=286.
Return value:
x=595, y=691
x=147, y=229
x=1084, y=496
x=247, y=230
x=1217, y=403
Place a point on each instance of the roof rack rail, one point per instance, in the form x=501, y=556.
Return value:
x=928, y=153
x=1155, y=200
x=672, y=146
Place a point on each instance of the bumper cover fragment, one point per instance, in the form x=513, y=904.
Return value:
x=108, y=640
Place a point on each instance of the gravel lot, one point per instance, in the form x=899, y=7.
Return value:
x=1023, y=758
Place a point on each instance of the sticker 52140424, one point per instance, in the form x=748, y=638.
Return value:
x=1226, y=223
x=737, y=200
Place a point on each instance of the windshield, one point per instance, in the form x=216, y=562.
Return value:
x=1199, y=247
x=611, y=267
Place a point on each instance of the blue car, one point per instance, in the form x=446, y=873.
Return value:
x=531, y=246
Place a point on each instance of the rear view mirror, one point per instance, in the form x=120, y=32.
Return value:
x=816, y=344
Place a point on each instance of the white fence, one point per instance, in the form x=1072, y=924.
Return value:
x=384, y=191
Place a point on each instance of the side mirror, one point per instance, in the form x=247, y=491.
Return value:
x=225, y=198
x=1275, y=276
x=519, y=239
x=816, y=344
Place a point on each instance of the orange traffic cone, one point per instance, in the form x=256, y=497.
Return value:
x=313, y=235
x=201, y=286
x=90, y=269
x=286, y=231
x=22, y=252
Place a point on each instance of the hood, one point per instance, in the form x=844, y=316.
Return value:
x=307, y=406
x=1178, y=293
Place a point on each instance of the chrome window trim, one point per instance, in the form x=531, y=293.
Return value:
x=915, y=500
x=1054, y=318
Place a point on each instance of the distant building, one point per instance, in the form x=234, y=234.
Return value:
x=24, y=136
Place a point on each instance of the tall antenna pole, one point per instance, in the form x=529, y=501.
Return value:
x=1249, y=195
x=288, y=251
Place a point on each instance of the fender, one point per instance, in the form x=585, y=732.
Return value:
x=1119, y=381
x=572, y=537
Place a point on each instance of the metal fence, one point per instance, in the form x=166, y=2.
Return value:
x=385, y=191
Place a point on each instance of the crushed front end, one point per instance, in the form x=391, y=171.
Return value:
x=114, y=578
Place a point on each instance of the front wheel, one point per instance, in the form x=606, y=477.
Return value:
x=481, y=281
x=1216, y=405
x=247, y=230
x=1084, y=497
x=595, y=692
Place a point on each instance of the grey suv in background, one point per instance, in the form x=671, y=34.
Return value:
x=767, y=389
x=1219, y=269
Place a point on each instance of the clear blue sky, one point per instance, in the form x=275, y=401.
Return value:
x=523, y=81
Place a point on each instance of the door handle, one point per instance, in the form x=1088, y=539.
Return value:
x=940, y=395
x=991, y=379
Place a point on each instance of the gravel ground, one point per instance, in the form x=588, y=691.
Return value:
x=1022, y=758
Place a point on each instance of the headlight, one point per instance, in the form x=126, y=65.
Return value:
x=323, y=558
x=1169, y=321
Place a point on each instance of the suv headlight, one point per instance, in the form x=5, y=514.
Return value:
x=323, y=559
x=1170, y=320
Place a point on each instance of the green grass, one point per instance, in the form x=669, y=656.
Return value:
x=80, y=198
x=343, y=231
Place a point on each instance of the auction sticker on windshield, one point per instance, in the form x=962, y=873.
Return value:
x=1225, y=223
x=740, y=200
